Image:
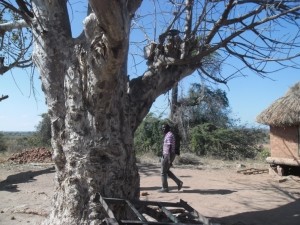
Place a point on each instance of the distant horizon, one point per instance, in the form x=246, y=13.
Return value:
x=16, y=131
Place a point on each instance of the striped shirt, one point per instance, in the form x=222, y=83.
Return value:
x=169, y=140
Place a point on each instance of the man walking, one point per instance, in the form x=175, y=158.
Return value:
x=167, y=159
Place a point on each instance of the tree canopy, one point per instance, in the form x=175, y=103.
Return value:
x=256, y=33
x=239, y=34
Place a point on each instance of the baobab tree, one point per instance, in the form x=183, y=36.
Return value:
x=95, y=107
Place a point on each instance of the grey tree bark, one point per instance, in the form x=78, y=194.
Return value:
x=93, y=108
x=93, y=121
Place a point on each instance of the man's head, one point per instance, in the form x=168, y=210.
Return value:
x=166, y=128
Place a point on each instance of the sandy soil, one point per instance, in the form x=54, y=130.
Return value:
x=216, y=191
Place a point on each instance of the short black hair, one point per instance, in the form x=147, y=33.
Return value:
x=166, y=126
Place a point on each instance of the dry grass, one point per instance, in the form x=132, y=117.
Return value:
x=284, y=111
x=190, y=160
x=148, y=158
x=4, y=156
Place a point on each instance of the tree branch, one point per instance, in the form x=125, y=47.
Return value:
x=220, y=22
x=10, y=6
x=7, y=27
x=113, y=16
x=3, y=97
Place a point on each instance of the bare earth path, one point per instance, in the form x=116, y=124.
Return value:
x=215, y=191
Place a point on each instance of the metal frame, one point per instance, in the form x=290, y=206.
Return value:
x=184, y=214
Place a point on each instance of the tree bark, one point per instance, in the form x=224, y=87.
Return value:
x=85, y=82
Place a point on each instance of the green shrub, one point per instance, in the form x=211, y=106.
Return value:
x=226, y=143
x=148, y=136
x=263, y=154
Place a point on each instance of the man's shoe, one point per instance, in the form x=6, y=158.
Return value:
x=163, y=190
x=180, y=185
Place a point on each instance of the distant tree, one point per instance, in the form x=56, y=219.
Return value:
x=3, y=146
x=208, y=128
x=204, y=104
x=201, y=105
x=211, y=64
x=43, y=130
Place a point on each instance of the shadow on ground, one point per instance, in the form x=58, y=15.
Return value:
x=288, y=214
x=209, y=191
x=10, y=184
x=148, y=169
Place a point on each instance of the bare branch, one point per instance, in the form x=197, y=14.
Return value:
x=220, y=22
x=7, y=27
x=25, y=12
x=10, y=6
x=251, y=31
x=3, y=97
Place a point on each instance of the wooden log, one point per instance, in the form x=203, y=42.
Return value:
x=253, y=171
x=283, y=161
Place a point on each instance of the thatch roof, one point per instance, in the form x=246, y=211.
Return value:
x=285, y=111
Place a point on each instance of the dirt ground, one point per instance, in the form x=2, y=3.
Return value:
x=215, y=190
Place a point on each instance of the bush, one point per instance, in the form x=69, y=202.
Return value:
x=206, y=139
x=42, y=136
x=263, y=154
x=148, y=136
x=226, y=143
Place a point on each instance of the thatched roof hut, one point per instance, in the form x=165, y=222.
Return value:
x=285, y=111
x=283, y=117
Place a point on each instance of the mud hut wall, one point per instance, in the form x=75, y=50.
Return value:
x=284, y=142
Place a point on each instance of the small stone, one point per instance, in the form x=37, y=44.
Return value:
x=240, y=166
x=282, y=180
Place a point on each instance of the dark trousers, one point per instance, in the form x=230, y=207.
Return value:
x=166, y=172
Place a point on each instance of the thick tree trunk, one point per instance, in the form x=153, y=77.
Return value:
x=93, y=153
x=85, y=82
x=93, y=107
x=92, y=141
x=94, y=164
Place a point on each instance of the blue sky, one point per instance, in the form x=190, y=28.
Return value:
x=22, y=110
x=248, y=96
x=251, y=95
